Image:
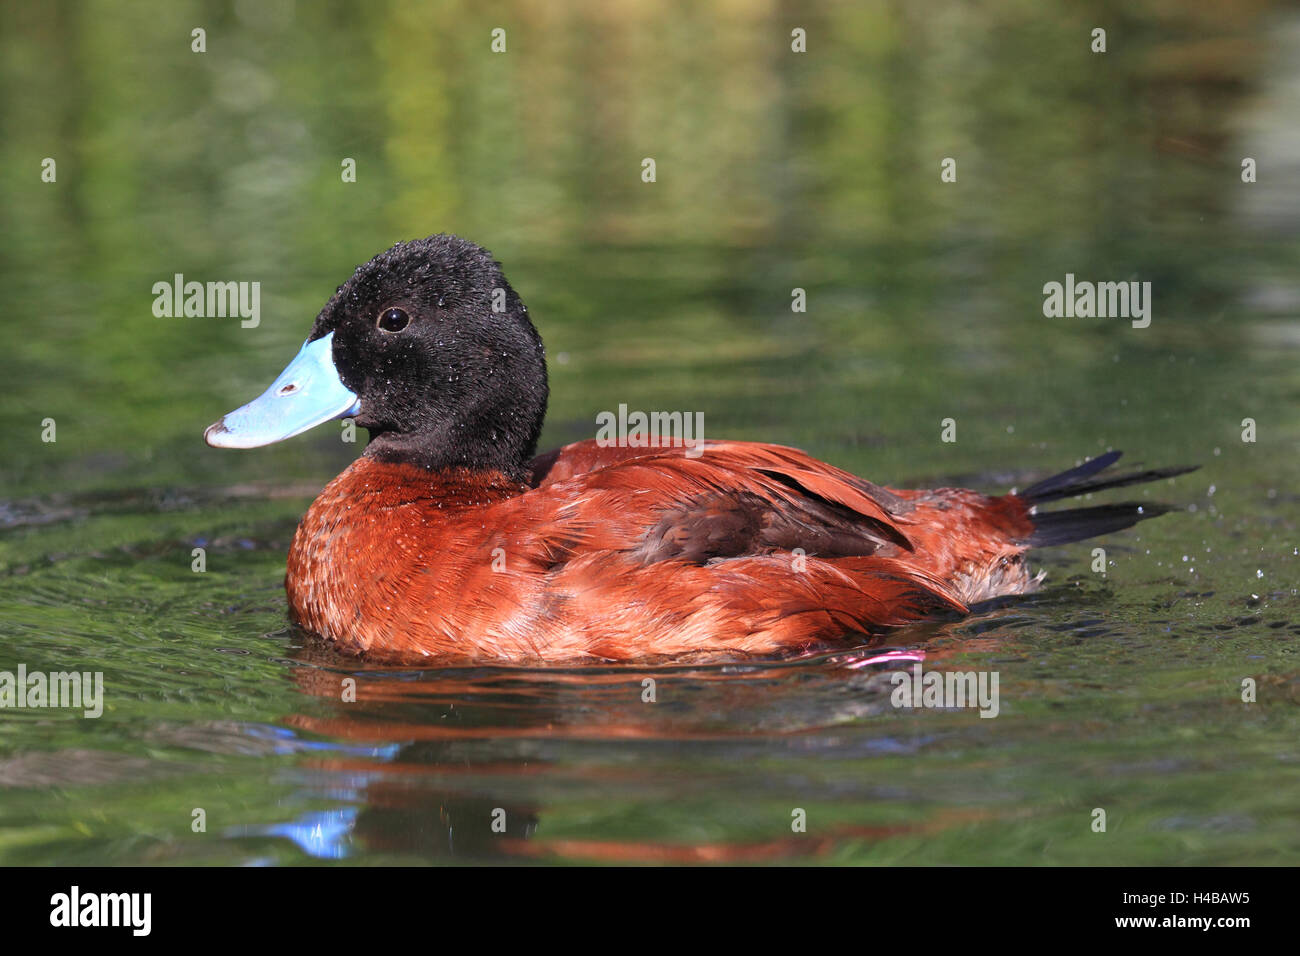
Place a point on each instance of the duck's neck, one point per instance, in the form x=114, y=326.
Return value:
x=442, y=454
x=374, y=482
x=497, y=436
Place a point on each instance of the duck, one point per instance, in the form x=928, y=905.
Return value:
x=450, y=539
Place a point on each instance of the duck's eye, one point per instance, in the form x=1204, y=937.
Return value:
x=394, y=320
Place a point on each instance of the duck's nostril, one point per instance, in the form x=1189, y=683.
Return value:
x=286, y=389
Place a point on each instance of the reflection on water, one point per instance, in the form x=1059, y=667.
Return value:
x=452, y=783
x=775, y=171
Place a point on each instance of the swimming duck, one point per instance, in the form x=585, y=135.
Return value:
x=448, y=539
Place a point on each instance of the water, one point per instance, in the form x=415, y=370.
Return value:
x=775, y=171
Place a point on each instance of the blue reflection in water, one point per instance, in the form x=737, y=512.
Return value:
x=323, y=834
x=287, y=741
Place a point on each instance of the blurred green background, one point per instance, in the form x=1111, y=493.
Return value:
x=775, y=170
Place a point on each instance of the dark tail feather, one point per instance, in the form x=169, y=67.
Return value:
x=1076, y=481
x=1058, y=486
x=1076, y=524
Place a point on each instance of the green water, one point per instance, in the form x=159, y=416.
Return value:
x=775, y=170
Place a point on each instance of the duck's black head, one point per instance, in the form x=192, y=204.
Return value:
x=430, y=349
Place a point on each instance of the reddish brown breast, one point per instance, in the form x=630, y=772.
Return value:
x=376, y=536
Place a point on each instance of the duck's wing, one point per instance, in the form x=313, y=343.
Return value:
x=741, y=466
x=734, y=499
